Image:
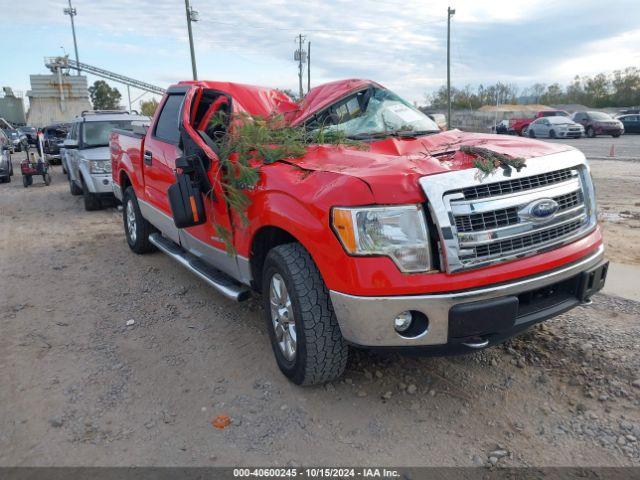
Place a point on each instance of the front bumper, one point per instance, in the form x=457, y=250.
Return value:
x=609, y=131
x=99, y=184
x=475, y=316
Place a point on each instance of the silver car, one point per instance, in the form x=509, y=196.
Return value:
x=555, y=127
x=86, y=153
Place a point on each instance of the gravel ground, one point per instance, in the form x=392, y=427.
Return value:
x=80, y=387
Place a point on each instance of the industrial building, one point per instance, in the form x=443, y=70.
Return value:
x=12, y=107
x=56, y=98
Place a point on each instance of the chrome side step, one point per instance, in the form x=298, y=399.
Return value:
x=217, y=279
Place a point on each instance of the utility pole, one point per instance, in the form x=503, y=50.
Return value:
x=450, y=13
x=192, y=16
x=72, y=12
x=300, y=56
x=308, y=66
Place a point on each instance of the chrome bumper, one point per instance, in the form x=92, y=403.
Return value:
x=368, y=321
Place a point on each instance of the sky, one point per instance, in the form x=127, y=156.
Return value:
x=401, y=44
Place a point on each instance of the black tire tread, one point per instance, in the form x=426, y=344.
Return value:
x=326, y=350
x=142, y=245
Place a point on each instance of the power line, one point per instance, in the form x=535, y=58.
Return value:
x=287, y=29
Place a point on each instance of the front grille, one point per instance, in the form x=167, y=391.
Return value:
x=568, y=200
x=504, y=217
x=485, y=221
x=512, y=246
x=518, y=185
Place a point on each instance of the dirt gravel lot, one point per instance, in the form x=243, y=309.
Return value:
x=79, y=387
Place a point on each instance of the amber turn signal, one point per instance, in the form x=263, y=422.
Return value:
x=343, y=226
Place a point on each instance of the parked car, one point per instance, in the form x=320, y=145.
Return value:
x=520, y=125
x=631, y=123
x=555, y=127
x=53, y=136
x=440, y=119
x=87, y=158
x=503, y=127
x=599, y=123
x=18, y=141
x=400, y=242
x=31, y=133
x=63, y=154
x=6, y=167
x=628, y=111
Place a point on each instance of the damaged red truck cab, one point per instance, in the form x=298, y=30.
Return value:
x=403, y=244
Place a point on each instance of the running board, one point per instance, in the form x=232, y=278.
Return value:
x=222, y=282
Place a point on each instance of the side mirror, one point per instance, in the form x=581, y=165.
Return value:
x=70, y=144
x=185, y=196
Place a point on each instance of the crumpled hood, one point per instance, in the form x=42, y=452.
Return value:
x=98, y=153
x=392, y=167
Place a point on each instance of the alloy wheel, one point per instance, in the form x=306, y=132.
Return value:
x=131, y=221
x=282, y=317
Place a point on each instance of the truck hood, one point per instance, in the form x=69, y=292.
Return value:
x=392, y=167
x=98, y=153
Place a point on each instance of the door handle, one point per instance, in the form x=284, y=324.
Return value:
x=148, y=157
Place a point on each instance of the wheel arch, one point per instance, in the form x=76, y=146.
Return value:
x=266, y=238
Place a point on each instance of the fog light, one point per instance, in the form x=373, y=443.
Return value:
x=403, y=321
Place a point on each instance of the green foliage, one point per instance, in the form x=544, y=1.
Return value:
x=620, y=88
x=148, y=107
x=488, y=161
x=103, y=97
x=253, y=141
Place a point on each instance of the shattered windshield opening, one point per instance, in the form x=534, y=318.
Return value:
x=373, y=113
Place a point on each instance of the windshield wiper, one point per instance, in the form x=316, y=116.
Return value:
x=392, y=133
x=413, y=133
x=369, y=136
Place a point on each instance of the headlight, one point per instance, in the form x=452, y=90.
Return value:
x=99, y=166
x=399, y=233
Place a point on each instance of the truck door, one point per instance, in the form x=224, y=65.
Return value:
x=161, y=148
x=201, y=107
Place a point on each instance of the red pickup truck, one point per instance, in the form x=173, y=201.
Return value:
x=520, y=125
x=403, y=244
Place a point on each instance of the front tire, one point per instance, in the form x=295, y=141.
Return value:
x=136, y=228
x=552, y=134
x=91, y=200
x=591, y=133
x=74, y=188
x=303, y=329
x=531, y=133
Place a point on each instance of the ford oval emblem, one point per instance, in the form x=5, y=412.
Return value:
x=543, y=209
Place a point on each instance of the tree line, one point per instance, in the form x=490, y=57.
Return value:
x=620, y=88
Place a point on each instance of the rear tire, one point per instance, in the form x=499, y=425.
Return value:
x=320, y=352
x=136, y=228
x=616, y=135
